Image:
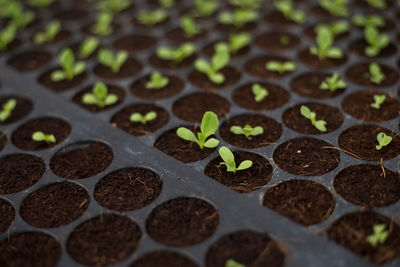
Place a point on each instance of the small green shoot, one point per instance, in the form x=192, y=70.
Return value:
x=40, y=3
x=247, y=130
x=209, y=124
x=229, y=161
x=379, y=236
x=312, y=116
x=377, y=4
x=70, y=69
x=378, y=101
x=336, y=27
x=176, y=55
x=189, y=26
x=18, y=17
x=238, y=18
x=324, y=48
x=280, y=67
x=284, y=39
x=113, y=6
x=246, y=4
x=259, y=92
x=375, y=73
x=376, y=42
x=333, y=83
x=48, y=35
x=113, y=61
x=157, y=81
x=87, y=47
x=99, y=96
x=166, y=3
x=40, y=137
x=143, y=119
x=103, y=25
x=7, y=109
x=383, y=140
x=204, y=8
x=7, y=35
x=233, y=263
x=238, y=41
x=286, y=7
x=150, y=18
x=368, y=20
x=336, y=8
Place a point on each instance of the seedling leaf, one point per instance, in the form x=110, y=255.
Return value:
x=229, y=160
x=7, y=109
x=157, y=81
x=113, y=61
x=137, y=117
x=259, y=92
x=40, y=137
x=177, y=55
x=99, y=96
x=88, y=47
x=378, y=101
x=379, y=236
x=383, y=140
x=375, y=73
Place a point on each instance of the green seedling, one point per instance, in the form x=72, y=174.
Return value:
x=368, y=20
x=113, y=61
x=286, y=7
x=189, y=26
x=157, y=81
x=237, y=18
x=376, y=42
x=375, y=73
x=70, y=69
x=113, y=6
x=336, y=27
x=229, y=161
x=7, y=109
x=150, y=18
x=219, y=60
x=312, y=116
x=103, y=25
x=143, y=119
x=40, y=3
x=247, y=130
x=233, y=263
x=379, y=236
x=40, y=137
x=246, y=4
x=209, y=124
x=324, y=48
x=176, y=55
x=333, y=83
x=7, y=35
x=88, y=46
x=377, y=4
x=383, y=140
x=259, y=92
x=238, y=41
x=99, y=96
x=48, y=35
x=335, y=7
x=378, y=101
x=15, y=11
x=204, y=8
x=284, y=39
x=166, y=3
x=280, y=67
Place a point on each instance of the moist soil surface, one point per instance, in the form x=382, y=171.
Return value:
x=257, y=67
x=313, y=61
x=3, y=140
x=30, y=60
x=45, y=80
x=163, y=258
x=157, y=62
x=71, y=14
x=175, y=86
x=22, y=108
x=359, y=74
x=358, y=48
x=276, y=41
x=130, y=68
x=135, y=43
x=7, y=214
x=277, y=19
x=232, y=76
x=224, y=28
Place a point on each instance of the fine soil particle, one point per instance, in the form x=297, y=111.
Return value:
x=19, y=172
x=357, y=47
x=243, y=181
x=164, y=258
x=358, y=105
x=277, y=19
x=29, y=60
x=192, y=107
x=81, y=160
x=104, y=240
x=7, y=214
x=34, y=249
x=313, y=61
x=45, y=80
x=157, y=62
x=22, y=137
x=182, y=222
x=175, y=86
x=257, y=67
x=130, y=68
x=209, y=50
x=232, y=76
x=72, y=14
x=294, y=120
x=55, y=205
x=135, y=43
x=311, y=33
x=276, y=41
x=122, y=119
x=128, y=189
x=246, y=247
x=178, y=36
x=277, y=97
x=352, y=230
x=112, y=89
x=272, y=131
x=359, y=74
x=305, y=202
x=62, y=36
x=306, y=156
x=368, y=185
x=308, y=84
x=22, y=108
x=360, y=141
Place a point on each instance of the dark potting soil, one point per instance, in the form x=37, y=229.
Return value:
x=246, y=247
x=45, y=80
x=175, y=86
x=182, y=222
x=30, y=60
x=157, y=62
x=272, y=131
x=71, y=14
x=277, y=19
x=306, y=156
x=243, y=181
x=318, y=11
x=359, y=74
x=357, y=47
x=121, y=119
x=257, y=67
x=62, y=36
x=276, y=41
x=224, y=28
x=232, y=76
x=178, y=36
x=135, y=43
x=34, y=249
x=19, y=172
x=209, y=50
x=150, y=28
x=3, y=140
x=305, y=202
x=104, y=240
x=368, y=185
x=81, y=160
x=311, y=33
x=22, y=108
x=360, y=141
x=130, y=68
x=128, y=189
x=22, y=137
x=313, y=61
x=7, y=214
x=164, y=258
x=352, y=230
x=13, y=45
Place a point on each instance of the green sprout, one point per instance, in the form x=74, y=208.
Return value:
x=379, y=236
x=259, y=92
x=324, y=48
x=376, y=42
x=312, y=116
x=87, y=47
x=48, y=35
x=113, y=6
x=157, y=81
x=335, y=7
x=19, y=18
x=7, y=109
x=383, y=140
x=189, y=26
x=238, y=41
x=368, y=20
x=233, y=263
x=237, y=18
x=137, y=117
x=40, y=137
x=286, y=7
x=150, y=18
x=375, y=73
x=204, y=8
x=7, y=35
x=99, y=96
x=40, y=3
x=229, y=161
x=246, y=4
x=280, y=67
x=113, y=61
x=377, y=4
x=166, y=3
x=336, y=27
x=209, y=124
x=247, y=130
x=178, y=54
x=378, y=101
x=70, y=69
x=103, y=25
x=333, y=83
x=219, y=60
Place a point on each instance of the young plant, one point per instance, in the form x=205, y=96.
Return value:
x=7, y=35
x=280, y=67
x=7, y=109
x=247, y=130
x=157, y=81
x=368, y=20
x=238, y=41
x=113, y=6
x=379, y=236
x=246, y=4
x=176, y=55
x=286, y=7
x=87, y=47
x=99, y=96
x=166, y=3
x=376, y=42
x=103, y=25
x=40, y=3
x=70, y=69
x=18, y=16
x=219, y=60
x=143, y=119
x=40, y=137
x=377, y=4
x=378, y=101
x=312, y=116
x=113, y=61
x=383, y=140
x=204, y=8
x=150, y=18
x=189, y=26
x=375, y=73
x=333, y=83
x=336, y=27
x=209, y=124
x=335, y=7
x=324, y=48
x=259, y=92
x=233, y=263
x=229, y=161
x=48, y=35
x=237, y=18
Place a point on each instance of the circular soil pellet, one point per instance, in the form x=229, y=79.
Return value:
x=22, y=108
x=182, y=222
x=306, y=156
x=305, y=202
x=232, y=76
x=178, y=36
x=55, y=205
x=122, y=119
x=34, y=249
x=360, y=141
x=294, y=120
x=60, y=86
x=360, y=75
x=7, y=214
x=157, y=62
x=128, y=189
x=276, y=41
x=19, y=172
x=164, y=258
x=22, y=137
x=104, y=240
x=368, y=185
x=246, y=247
x=81, y=160
x=175, y=86
x=257, y=67
x=313, y=61
x=30, y=60
x=358, y=47
x=352, y=229
x=130, y=68
x=192, y=107
x=135, y=43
